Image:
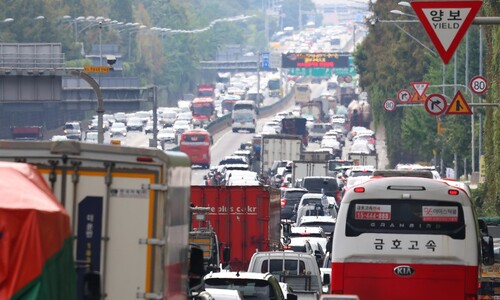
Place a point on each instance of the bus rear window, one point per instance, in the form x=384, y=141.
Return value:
x=195, y=138
x=303, y=88
x=243, y=107
x=405, y=217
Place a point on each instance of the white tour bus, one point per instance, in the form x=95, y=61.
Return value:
x=408, y=238
x=244, y=116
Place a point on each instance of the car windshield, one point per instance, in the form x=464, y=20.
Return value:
x=243, y=117
x=316, y=184
x=232, y=161
x=118, y=125
x=72, y=126
x=295, y=195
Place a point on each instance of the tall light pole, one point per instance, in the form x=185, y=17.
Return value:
x=100, y=43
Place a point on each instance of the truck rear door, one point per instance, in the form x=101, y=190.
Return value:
x=245, y=218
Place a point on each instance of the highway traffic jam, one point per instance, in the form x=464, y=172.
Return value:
x=265, y=186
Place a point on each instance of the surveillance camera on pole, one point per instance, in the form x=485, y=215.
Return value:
x=111, y=59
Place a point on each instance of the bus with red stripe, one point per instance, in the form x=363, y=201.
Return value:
x=408, y=238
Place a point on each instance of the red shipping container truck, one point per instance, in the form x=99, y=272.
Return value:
x=245, y=218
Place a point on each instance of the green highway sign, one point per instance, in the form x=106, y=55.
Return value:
x=344, y=71
x=314, y=72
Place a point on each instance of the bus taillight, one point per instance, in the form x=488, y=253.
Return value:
x=359, y=189
x=453, y=192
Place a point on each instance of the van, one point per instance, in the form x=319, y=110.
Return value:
x=73, y=130
x=252, y=285
x=298, y=270
x=244, y=116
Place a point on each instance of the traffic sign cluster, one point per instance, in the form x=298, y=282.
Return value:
x=436, y=104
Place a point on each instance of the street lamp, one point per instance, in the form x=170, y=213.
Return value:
x=133, y=30
x=398, y=12
x=404, y=3
x=8, y=20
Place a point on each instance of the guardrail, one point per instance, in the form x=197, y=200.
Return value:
x=223, y=122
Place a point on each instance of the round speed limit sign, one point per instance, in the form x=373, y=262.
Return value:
x=390, y=105
x=478, y=84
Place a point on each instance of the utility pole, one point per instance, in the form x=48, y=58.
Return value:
x=153, y=97
x=300, y=15
x=258, y=77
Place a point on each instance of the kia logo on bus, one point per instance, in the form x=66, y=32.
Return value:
x=404, y=271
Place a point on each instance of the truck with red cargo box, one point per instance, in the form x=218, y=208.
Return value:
x=27, y=132
x=245, y=218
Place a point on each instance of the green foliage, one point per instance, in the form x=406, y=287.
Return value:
x=391, y=57
x=77, y=63
x=417, y=126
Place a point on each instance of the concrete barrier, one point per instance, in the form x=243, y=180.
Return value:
x=224, y=122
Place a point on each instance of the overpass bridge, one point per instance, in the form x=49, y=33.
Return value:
x=37, y=89
x=230, y=66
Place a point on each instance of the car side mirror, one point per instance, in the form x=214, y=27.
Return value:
x=287, y=229
x=326, y=279
x=487, y=251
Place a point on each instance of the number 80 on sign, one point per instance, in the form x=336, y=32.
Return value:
x=390, y=105
x=478, y=84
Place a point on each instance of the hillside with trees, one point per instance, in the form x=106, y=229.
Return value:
x=169, y=60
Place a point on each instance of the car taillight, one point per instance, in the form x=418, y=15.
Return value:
x=283, y=202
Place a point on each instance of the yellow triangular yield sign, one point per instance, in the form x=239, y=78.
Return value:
x=459, y=106
x=415, y=98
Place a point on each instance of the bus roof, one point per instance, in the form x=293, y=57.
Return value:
x=404, y=189
x=195, y=131
x=202, y=100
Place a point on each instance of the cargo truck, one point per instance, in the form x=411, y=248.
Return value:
x=295, y=126
x=363, y=159
x=129, y=212
x=27, y=132
x=278, y=147
x=301, y=169
x=245, y=219
x=202, y=235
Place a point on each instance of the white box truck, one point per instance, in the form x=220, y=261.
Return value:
x=278, y=147
x=129, y=211
x=301, y=169
x=364, y=159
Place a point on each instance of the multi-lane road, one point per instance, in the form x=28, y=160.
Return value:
x=227, y=142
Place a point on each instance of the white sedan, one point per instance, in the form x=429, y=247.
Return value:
x=118, y=129
x=167, y=135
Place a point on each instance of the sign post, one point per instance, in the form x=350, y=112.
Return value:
x=446, y=22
